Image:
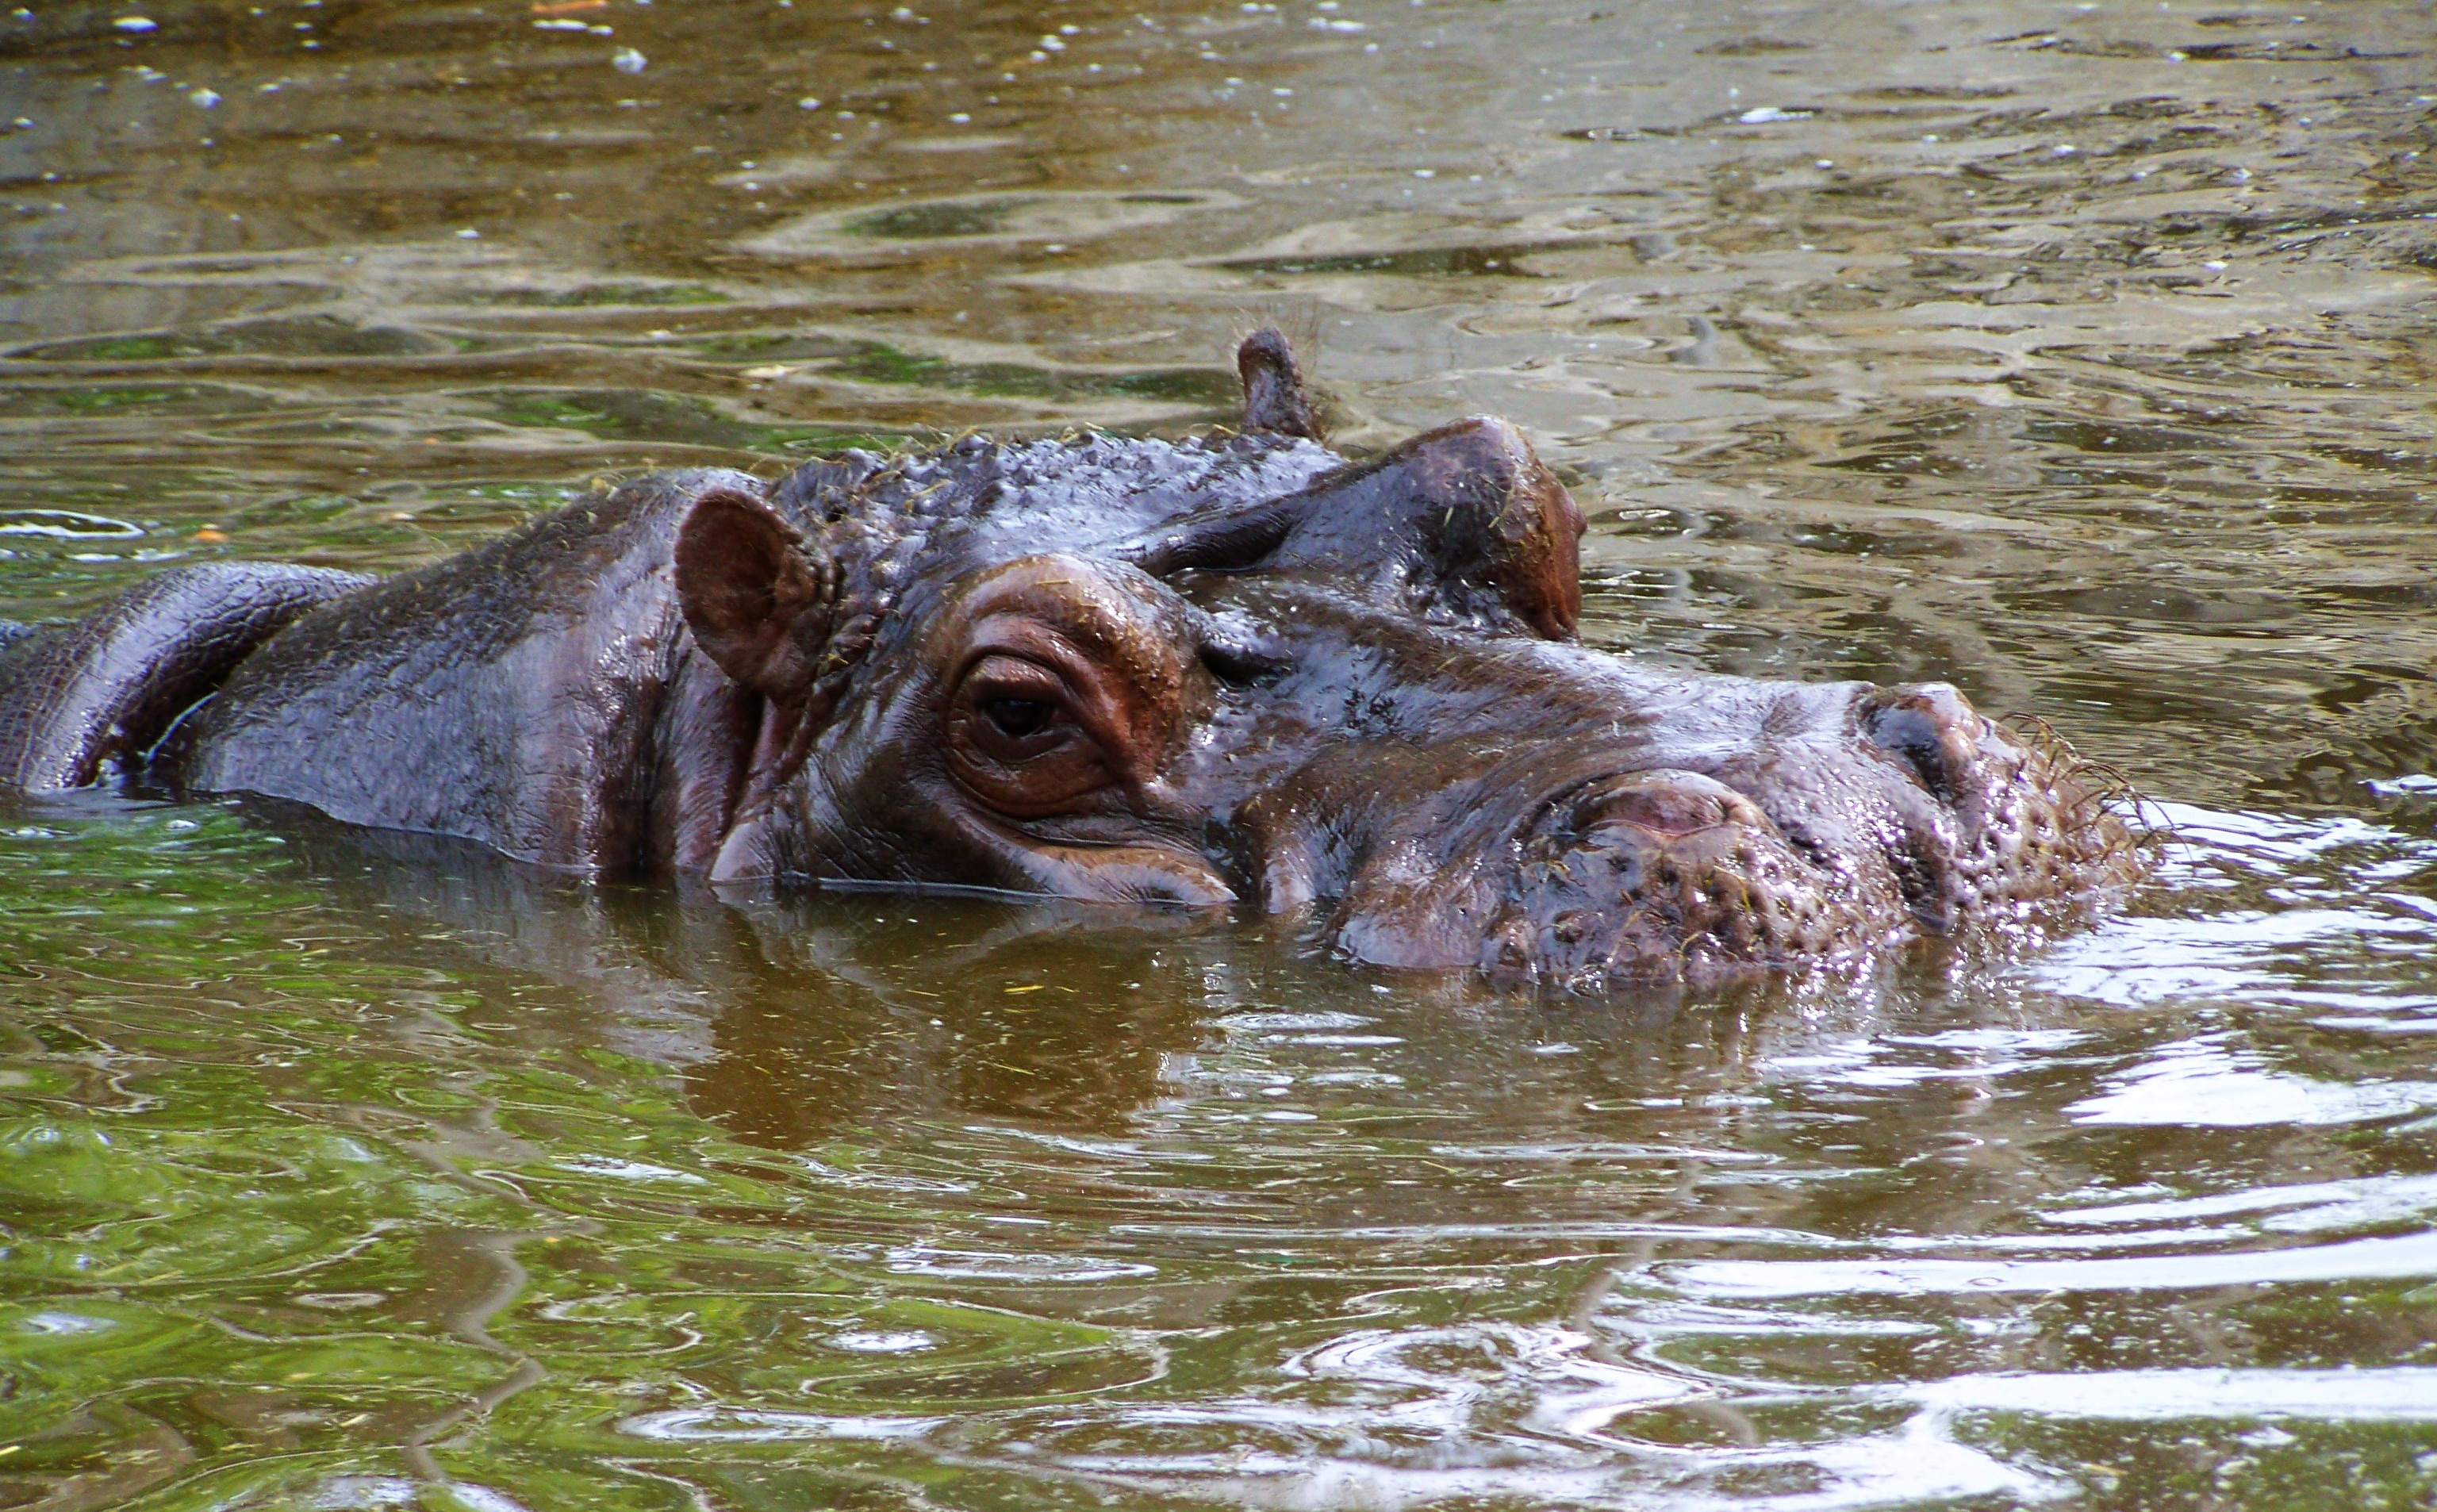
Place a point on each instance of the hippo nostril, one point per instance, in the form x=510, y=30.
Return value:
x=1666, y=804
x=1933, y=729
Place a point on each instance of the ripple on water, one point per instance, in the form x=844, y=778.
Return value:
x=2402, y=1256
x=2206, y=1084
x=987, y=1265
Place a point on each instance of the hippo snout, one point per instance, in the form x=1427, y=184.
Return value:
x=1824, y=823
x=1663, y=872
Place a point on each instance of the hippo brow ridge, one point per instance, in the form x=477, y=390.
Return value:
x=871, y=520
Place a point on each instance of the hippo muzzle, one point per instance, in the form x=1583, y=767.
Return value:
x=1555, y=815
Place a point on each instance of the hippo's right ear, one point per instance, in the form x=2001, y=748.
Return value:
x=759, y=602
x=1275, y=398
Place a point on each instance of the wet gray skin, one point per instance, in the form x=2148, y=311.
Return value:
x=1228, y=672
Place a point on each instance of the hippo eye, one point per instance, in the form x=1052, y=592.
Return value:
x=1022, y=735
x=1017, y=718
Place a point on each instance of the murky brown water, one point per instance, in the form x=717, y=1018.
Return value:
x=2076, y=353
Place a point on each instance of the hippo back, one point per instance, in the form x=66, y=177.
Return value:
x=84, y=702
x=515, y=694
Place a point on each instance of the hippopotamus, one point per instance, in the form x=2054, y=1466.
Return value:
x=1232, y=671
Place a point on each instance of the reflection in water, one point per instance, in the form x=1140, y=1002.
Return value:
x=810, y=1194
x=2075, y=355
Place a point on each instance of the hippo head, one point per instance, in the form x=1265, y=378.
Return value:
x=1242, y=672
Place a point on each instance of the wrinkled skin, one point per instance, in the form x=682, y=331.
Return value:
x=1228, y=673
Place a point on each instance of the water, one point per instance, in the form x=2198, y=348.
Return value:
x=2078, y=354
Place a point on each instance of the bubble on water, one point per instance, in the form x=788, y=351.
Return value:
x=628, y=60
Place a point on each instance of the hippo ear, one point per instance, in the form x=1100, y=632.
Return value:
x=1274, y=399
x=758, y=601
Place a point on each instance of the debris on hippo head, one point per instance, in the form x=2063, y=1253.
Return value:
x=1235, y=671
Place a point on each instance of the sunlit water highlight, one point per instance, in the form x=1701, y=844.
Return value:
x=2076, y=355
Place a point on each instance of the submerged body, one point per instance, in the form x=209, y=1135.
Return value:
x=1227, y=672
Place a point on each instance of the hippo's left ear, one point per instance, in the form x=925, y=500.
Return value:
x=759, y=601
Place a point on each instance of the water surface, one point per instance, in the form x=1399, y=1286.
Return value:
x=2076, y=353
